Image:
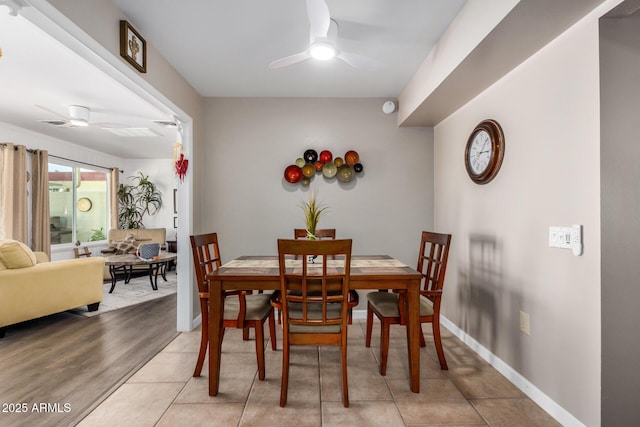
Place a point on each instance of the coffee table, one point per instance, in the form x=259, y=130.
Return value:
x=124, y=264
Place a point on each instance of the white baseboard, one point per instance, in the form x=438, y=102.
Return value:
x=196, y=322
x=545, y=402
x=359, y=314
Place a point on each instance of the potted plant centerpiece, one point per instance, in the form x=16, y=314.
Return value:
x=312, y=211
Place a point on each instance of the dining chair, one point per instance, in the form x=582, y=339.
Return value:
x=390, y=307
x=326, y=233
x=242, y=309
x=314, y=300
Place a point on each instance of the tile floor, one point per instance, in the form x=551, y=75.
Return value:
x=471, y=393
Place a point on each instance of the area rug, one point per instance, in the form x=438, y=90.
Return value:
x=137, y=291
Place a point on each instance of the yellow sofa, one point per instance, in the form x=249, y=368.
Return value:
x=32, y=287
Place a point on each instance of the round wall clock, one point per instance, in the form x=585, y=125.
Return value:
x=484, y=152
x=84, y=204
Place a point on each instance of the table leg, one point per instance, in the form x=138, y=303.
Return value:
x=413, y=333
x=112, y=273
x=216, y=307
x=128, y=273
x=164, y=265
x=153, y=267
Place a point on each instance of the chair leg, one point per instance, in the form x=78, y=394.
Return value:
x=384, y=347
x=369, y=326
x=279, y=317
x=204, y=338
x=439, y=349
x=422, y=343
x=272, y=331
x=284, y=384
x=259, y=327
x=245, y=334
x=345, y=386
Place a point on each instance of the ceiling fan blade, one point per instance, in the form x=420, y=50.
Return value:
x=290, y=60
x=359, y=61
x=50, y=111
x=319, y=18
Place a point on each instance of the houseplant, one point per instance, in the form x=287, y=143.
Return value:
x=312, y=211
x=137, y=199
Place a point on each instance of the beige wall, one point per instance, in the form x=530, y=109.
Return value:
x=476, y=19
x=250, y=141
x=501, y=262
x=619, y=65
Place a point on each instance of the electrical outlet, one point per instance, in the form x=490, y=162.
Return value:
x=525, y=326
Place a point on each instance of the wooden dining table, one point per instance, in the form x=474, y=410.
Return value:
x=261, y=273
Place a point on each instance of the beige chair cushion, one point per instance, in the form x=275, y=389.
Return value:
x=387, y=304
x=14, y=254
x=258, y=306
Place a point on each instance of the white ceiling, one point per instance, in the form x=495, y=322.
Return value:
x=222, y=48
x=41, y=78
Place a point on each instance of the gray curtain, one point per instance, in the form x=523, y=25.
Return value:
x=40, y=202
x=13, y=192
x=113, y=197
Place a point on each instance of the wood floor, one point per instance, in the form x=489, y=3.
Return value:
x=59, y=368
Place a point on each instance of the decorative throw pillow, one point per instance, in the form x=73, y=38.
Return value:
x=14, y=254
x=126, y=246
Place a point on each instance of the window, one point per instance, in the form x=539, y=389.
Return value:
x=78, y=204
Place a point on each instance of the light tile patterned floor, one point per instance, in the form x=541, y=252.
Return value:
x=471, y=393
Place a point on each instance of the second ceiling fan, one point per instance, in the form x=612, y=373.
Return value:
x=322, y=42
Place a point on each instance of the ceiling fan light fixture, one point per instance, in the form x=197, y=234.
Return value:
x=78, y=115
x=322, y=51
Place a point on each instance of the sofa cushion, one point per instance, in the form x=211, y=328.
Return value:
x=126, y=246
x=14, y=254
x=41, y=257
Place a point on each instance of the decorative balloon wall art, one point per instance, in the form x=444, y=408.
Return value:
x=305, y=168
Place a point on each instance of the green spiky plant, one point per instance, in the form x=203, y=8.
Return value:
x=312, y=211
x=98, y=235
x=138, y=199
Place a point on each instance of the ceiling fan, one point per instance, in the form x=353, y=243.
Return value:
x=322, y=42
x=78, y=117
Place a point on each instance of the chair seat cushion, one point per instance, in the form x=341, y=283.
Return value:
x=334, y=311
x=258, y=307
x=386, y=303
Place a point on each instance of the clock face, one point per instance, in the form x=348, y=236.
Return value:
x=480, y=152
x=484, y=152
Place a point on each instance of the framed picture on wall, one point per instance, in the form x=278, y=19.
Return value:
x=175, y=200
x=133, y=47
x=175, y=222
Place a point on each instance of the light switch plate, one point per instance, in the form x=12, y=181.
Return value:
x=566, y=238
